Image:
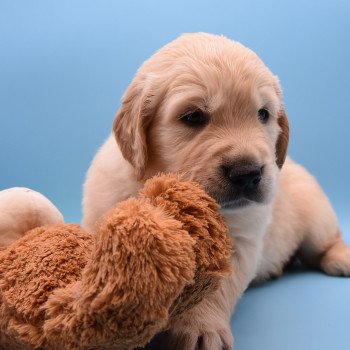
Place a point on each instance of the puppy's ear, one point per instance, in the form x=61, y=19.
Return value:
x=283, y=139
x=130, y=126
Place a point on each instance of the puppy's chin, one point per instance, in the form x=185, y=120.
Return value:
x=234, y=200
x=237, y=204
x=240, y=203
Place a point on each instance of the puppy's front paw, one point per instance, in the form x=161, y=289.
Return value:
x=199, y=337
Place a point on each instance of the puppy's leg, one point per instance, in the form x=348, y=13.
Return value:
x=323, y=246
x=330, y=253
x=336, y=259
x=207, y=325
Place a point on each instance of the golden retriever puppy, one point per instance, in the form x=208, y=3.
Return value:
x=208, y=108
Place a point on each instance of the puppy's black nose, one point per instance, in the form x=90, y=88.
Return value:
x=244, y=176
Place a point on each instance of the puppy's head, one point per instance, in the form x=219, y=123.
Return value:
x=208, y=108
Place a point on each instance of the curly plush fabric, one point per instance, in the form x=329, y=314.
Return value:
x=149, y=260
x=45, y=259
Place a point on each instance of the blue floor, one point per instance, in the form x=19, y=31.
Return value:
x=303, y=310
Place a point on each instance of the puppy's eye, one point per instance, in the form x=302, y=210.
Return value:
x=195, y=119
x=264, y=115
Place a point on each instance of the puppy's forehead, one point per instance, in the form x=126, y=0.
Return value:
x=211, y=66
x=213, y=53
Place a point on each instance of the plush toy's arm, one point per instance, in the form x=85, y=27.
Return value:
x=140, y=262
x=21, y=210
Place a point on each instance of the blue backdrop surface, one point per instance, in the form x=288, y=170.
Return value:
x=64, y=66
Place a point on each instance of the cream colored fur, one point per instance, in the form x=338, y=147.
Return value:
x=231, y=84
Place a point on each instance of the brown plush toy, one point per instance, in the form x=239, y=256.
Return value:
x=148, y=260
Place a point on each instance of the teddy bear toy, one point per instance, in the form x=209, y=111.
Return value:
x=148, y=260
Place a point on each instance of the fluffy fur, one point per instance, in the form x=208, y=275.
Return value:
x=287, y=213
x=148, y=261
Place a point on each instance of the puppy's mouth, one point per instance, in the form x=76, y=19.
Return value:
x=230, y=197
x=238, y=200
x=236, y=204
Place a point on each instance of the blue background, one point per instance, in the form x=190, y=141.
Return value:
x=65, y=64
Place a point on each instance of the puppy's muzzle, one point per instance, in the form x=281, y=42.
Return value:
x=240, y=183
